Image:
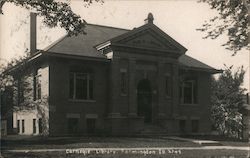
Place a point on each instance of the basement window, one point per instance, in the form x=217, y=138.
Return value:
x=34, y=126
x=23, y=126
x=18, y=126
x=182, y=126
x=195, y=126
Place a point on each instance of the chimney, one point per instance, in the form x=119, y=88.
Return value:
x=150, y=19
x=33, y=32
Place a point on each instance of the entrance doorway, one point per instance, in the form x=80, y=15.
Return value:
x=144, y=100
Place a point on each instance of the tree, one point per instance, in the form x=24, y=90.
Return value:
x=55, y=13
x=227, y=101
x=14, y=76
x=16, y=79
x=233, y=19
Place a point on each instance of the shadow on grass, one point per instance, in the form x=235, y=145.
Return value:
x=32, y=142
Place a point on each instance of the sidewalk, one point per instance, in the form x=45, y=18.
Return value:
x=197, y=141
x=245, y=148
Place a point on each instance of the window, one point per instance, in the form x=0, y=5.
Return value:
x=81, y=86
x=188, y=92
x=37, y=86
x=20, y=91
x=34, y=126
x=18, y=126
x=23, y=127
x=123, y=82
x=73, y=124
x=40, y=126
x=195, y=125
x=182, y=126
x=91, y=125
x=168, y=86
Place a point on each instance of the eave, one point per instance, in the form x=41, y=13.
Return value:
x=212, y=71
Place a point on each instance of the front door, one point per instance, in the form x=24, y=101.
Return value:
x=144, y=100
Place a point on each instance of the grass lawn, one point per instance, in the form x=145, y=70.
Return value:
x=89, y=142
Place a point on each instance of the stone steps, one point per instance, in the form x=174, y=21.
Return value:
x=153, y=130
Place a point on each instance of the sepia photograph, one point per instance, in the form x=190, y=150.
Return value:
x=125, y=78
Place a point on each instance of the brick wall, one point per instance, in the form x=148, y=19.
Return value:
x=61, y=106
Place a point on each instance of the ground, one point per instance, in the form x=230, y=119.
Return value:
x=109, y=147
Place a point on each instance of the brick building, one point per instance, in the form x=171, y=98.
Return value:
x=116, y=81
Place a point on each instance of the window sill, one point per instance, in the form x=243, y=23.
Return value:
x=168, y=97
x=82, y=100
x=123, y=95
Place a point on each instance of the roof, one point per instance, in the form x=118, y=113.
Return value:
x=83, y=45
x=190, y=62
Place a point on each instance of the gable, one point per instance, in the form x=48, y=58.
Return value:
x=148, y=39
x=148, y=36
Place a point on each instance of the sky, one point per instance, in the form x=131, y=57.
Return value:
x=178, y=18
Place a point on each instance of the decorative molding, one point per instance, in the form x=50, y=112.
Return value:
x=72, y=115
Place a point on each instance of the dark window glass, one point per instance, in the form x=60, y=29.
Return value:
x=71, y=85
x=91, y=125
x=195, y=92
x=73, y=124
x=195, y=126
x=91, y=84
x=188, y=86
x=20, y=91
x=123, y=83
x=18, y=126
x=188, y=92
x=182, y=125
x=37, y=87
x=23, y=126
x=40, y=125
x=81, y=86
x=168, y=86
x=34, y=126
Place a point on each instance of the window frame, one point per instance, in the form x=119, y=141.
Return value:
x=195, y=128
x=37, y=86
x=20, y=91
x=23, y=126
x=194, y=93
x=168, y=87
x=40, y=126
x=18, y=126
x=89, y=77
x=123, y=82
x=182, y=125
x=34, y=126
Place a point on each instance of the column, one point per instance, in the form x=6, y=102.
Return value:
x=175, y=88
x=132, y=88
x=161, y=90
x=114, y=88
